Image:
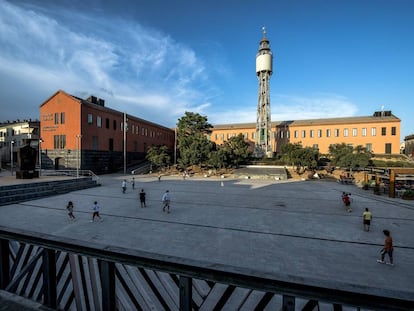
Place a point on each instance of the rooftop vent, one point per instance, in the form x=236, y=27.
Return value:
x=95, y=100
x=382, y=113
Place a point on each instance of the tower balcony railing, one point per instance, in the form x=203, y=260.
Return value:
x=68, y=274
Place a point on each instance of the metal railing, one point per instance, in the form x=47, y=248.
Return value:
x=71, y=274
x=72, y=173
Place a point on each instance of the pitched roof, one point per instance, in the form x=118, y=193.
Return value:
x=322, y=121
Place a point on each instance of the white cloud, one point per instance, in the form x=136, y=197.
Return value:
x=134, y=66
x=291, y=107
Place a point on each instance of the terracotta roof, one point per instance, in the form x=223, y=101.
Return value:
x=324, y=121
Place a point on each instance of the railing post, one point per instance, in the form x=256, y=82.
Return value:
x=186, y=293
x=4, y=263
x=107, y=272
x=49, y=278
x=288, y=303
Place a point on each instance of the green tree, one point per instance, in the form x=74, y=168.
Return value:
x=192, y=142
x=299, y=156
x=236, y=150
x=347, y=156
x=290, y=153
x=158, y=156
x=217, y=158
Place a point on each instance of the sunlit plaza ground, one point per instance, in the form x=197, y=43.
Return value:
x=294, y=231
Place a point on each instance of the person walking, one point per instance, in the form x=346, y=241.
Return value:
x=366, y=219
x=142, y=198
x=133, y=182
x=166, y=199
x=95, y=211
x=123, y=186
x=69, y=207
x=387, y=249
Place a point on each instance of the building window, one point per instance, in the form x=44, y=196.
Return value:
x=107, y=123
x=98, y=121
x=94, y=142
x=62, y=118
x=319, y=133
x=303, y=133
x=56, y=141
x=246, y=135
x=114, y=125
x=383, y=131
x=336, y=132
x=368, y=147
x=59, y=141
x=111, y=144
x=295, y=134
x=312, y=133
x=354, y=132
x=345, y=132
x=315, y=146
x=287, y=134
x=393, y=131
x=364, y=131
x=328, y=133
x=90, y=118
x=373, y=131
x=388, y=148
x=56, y=118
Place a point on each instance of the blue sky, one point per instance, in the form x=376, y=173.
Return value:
x=157, y=59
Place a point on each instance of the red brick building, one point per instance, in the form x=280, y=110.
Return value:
x=84, y=134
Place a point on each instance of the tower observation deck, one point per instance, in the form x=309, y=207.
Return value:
x=264, y=69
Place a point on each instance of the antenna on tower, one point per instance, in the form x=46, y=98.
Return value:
x=264, y=31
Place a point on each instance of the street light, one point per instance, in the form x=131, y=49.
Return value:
x=40, y=156
x=78, y=146
x=125, y=141
x=11, y=156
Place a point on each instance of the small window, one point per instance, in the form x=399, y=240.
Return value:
x=114, y=125
x=328, y=133
x=107, y=123
x=354, y=132
x=383, y=131
x=56, y=118
x=319, y=133
x=98, y=121
x=373, y=131
x=364, y=131
x=345, y=132
x=393, y=131
x=312, y=133
x=303, y=133
x=62, y=118
x=336, y=132
x=90, y=118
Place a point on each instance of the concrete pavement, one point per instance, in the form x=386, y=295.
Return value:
x=295, y=231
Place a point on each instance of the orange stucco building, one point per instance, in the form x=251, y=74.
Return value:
x=379, y=133
x=84, y=134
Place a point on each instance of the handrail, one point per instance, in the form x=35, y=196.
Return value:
x=72, y=173
x=364, y=297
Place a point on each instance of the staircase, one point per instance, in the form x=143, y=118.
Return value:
x=11, y=194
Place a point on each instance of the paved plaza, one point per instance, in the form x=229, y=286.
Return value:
x=295, y=231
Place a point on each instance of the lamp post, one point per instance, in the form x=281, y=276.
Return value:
x=11, y=156
x=40, y=156
x=125, y=140
x=78, y=159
